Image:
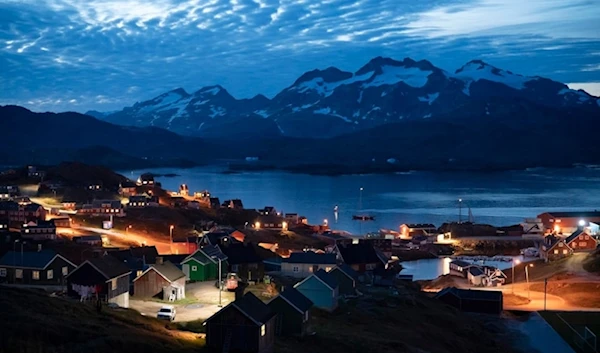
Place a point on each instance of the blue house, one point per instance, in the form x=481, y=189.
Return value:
x=321, y=288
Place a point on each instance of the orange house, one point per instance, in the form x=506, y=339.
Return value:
x=580, y=241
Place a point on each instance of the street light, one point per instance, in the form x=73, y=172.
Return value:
x=127, y=229
x=515, y=261
x=527, y=277
x=459, y=210
x=220, y=280
x=581, y=222
x=171, y=237
x=284, y=225
x=325, y=222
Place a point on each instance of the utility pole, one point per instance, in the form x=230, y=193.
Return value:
x=527, y=278
x=545, y=287
x=459, y=210
x=220, y=284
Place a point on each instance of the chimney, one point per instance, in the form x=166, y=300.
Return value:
x=159, y=260
x=39, y=247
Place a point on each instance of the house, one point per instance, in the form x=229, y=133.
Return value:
x=44, y=268
x=21, y=213
x=245, y=325
x=91, y=240
x=293, y=312
x=222, y=236
x=186, y=245
x=580, y=241
x=203, y=264
x=270, y=222
x=146, y=179
x=69, y=204
x=475, y=276
x=162, y=279
x=554, y=248
x=194, y=205
x=471, y=300
x=105, y=277
x=566, y=222
x=63, y=222
x=303, y=264
x=94, y=186
x=35, y=172
x=103, y=208
x=244, y=260
x=127, y=188
x=346, y=278
x=235, y=204
x=321, y=288
x=268, y=211
x=7, y=192
x=292, y=218
x=362, y=256
x=4, y=225
x=39, y=230
x=460, y=268
x=177, y=201
x=411, y=229
x=381, y=245
x=214, y=203
x=139, y=201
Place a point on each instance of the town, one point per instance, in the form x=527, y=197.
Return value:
x=97, y=239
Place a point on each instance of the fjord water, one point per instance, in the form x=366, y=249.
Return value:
x=498, y=198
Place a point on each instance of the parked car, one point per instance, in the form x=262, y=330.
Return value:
x=166, y=313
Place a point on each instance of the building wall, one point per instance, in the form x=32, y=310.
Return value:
x=56, y=267
x=584, y=242
x=289, y=321
x=347, y=286
x=304, y=270
x=321, y=296
x=245, y=334
x=149, y=285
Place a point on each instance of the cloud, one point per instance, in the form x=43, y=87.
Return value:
x=106, y=54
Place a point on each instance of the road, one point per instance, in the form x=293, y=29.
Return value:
x=116, y=237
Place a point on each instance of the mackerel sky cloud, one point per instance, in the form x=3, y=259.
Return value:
x=104, y=54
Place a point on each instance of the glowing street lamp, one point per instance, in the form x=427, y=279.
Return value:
x=325, y=222
x=171, y=236
x=515, y=261
x=527, y=277
x=581, y=222
x=257, y=225
x=284, y=225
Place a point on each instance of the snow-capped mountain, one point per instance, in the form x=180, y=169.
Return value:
x=330, y=102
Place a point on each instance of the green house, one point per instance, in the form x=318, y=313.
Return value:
x=203, y=264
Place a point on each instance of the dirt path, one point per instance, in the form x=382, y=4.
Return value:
x=574, y=265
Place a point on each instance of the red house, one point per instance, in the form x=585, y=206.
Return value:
x=580, y=241
x=554, y=248
x=566, y=222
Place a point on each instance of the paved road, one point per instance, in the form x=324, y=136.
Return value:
x=115, y=237
x=184, y=313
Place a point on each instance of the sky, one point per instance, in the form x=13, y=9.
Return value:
x=77, y=55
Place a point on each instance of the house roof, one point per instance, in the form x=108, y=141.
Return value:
x=128, y=184
x=420, y=225
x=239, y=253
x=167, y=270
x=214, y=252
x=326, y=278
x=574, y=236
x=361, y=253
x=471, y=294
x=475, y=271
x=310, y=257
x=30, y=259
x=461, y=263
x=346, y=269
x=296, y=299
x=32, y=207
x=108, y=266
x=142, y=253
x=254, y=308
x=175, y=258
x=214, y=238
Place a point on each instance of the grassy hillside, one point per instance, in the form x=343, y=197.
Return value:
x=33, y=322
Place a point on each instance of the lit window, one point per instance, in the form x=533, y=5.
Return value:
x=114, y=284
x=65, y=270
x=2, y=272
x=139, y=273
x=582, y=243
x=50, y=274
x=327, y=268
x=194, y=268
x=35, y=275
x=295, y=269
x=565, y=251
x=560, y=245
x=556, y=251
x=263, y=330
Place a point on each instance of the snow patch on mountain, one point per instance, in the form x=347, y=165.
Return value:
x=323, y=111
x=202, y=102
x=323, y=88
x=161, y=102
x=262, y=113
x=478, y=70
x=430, y=98
x=218, y=111
x=392, y=75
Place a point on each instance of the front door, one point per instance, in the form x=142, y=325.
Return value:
x=186, y=270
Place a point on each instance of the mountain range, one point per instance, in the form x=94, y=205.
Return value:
x=331, y=102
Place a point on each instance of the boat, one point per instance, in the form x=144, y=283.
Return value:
x=363, y=218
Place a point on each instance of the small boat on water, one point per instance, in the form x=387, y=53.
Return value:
x=363, y=218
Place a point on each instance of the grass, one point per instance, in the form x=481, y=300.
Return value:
x=408, y=322
x=39, y=323
x=196, y=326
x=576, y=321
x=578, y=294
x=592, y=263
x=184, y=301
